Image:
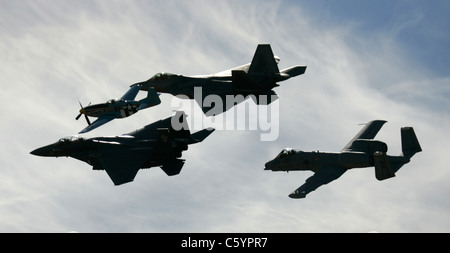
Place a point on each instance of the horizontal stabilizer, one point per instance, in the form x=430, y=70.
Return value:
x=173, y=167
x=201, y=135
x=294, y=71
x=264, y=98
x=383, y=169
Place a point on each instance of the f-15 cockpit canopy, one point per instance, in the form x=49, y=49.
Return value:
x=71, y=139
x=286, y=153
x=162, y=76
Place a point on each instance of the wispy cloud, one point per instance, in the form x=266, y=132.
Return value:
x=53, y=54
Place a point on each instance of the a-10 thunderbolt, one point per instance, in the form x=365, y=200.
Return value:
x=362, y=151
x=117, y=108
x=158, y=144
x=256, y=78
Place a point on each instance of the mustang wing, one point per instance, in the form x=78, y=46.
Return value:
x=323, y=176
x=98, y=122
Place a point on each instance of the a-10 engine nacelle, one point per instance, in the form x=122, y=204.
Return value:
x=369, y=146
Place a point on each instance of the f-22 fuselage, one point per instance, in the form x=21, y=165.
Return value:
x=256, y=78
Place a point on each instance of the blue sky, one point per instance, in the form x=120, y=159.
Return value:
x=366, y=60
x=417, y=25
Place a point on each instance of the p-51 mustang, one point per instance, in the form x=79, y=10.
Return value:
x=362, y=151
x=158, y=144
x=117, y=108
x=256, y=78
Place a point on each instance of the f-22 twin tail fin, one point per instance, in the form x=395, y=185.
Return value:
x=263, y=73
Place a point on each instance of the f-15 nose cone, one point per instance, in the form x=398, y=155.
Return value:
x=38, y=152
x=44, y=151
x=266, y=166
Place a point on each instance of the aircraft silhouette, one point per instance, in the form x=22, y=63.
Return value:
x=361, y=152
x=255, y=79
x=158, y=144
x=117, y=108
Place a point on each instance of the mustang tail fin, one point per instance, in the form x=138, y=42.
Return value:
x=152, y=99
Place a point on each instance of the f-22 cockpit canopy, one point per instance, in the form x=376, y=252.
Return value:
x=162, y=76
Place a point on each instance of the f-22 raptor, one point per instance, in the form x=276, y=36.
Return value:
x=158, y=144
x=362, y=151
x=256, y=78
x=117, y=108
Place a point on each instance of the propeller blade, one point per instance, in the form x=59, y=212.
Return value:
x=79, y=115
x=87, y=119
x=82, y=112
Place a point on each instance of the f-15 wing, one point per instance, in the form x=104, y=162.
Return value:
x=123, y=166
x=321, y=177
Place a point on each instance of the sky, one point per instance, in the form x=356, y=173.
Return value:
x=365, y=60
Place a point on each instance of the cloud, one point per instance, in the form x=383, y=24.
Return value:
x=93, y=51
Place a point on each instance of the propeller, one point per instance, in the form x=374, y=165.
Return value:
x=81, y=112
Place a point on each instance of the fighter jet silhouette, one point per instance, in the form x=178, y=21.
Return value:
x=362, y=151
x=158, y=144
x=255, y=79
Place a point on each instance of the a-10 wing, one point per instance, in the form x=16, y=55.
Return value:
x=369, y=131
x=321, y=177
